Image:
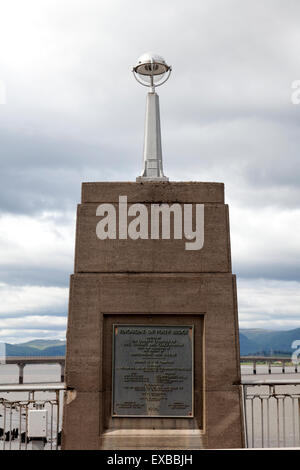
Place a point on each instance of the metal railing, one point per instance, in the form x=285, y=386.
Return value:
x=272, y=413
x=15, y=403
x=284, y=363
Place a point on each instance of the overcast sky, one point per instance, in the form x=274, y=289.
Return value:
x=72, y=112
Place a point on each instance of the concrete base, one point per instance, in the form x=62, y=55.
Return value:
x=146, y=179
x=153, y=282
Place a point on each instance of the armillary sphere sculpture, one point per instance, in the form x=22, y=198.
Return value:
x=152, y=71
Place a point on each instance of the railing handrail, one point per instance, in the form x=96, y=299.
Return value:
x=266, y=358
x=25, y=358
x=62, y=358
x=246, y=381
x=32, y=387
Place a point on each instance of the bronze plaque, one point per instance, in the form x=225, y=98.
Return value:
x=153, y=370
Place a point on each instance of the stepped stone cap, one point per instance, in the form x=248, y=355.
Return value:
x=162, y=191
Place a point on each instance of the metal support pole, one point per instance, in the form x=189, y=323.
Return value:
x=62, y=372
x=21, y=372
x=153, y=170
x=244, y=395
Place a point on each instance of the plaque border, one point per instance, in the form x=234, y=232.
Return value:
x=113, y=376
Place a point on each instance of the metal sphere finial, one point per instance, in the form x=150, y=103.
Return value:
x=151, y=70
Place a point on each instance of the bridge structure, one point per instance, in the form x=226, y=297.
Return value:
x=269, y=360
x=22, y=361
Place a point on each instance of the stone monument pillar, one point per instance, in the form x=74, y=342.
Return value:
x=152, y=341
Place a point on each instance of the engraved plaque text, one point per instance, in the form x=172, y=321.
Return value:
x=152, y=370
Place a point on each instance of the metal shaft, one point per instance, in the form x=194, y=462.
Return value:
x=153, y=169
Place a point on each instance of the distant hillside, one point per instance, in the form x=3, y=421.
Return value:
x=267, y=342
x=44, y=343
x=37, y=348
x=252, y=342
x=247, y=346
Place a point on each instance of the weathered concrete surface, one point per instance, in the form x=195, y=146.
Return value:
x=162, y=295
x=94, y=255
x=190, y=192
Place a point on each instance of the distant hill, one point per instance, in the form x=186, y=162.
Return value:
x=267, y=342
x=247, y=346
x=44, y=343
x=252, y=342
x=38, y=347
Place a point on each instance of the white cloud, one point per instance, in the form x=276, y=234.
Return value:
x=265, y=241
x=264, y=303
x=21, y=336
x=47, y=240
x=34, y=322
x=17, y=300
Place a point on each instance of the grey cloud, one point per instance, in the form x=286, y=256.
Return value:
x=266, y=270
x=36, y=328
x=40, y=173
x=36, y=276
x=54, y=312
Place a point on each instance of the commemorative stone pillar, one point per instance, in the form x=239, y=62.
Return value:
x=152, y=341
x=152, y=356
